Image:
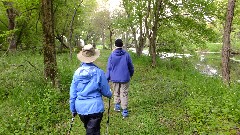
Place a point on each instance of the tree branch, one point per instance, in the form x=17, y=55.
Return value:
x=29, y=10
x=71, y=27
x=4, y=23
x=38, y=20
x=31, y=64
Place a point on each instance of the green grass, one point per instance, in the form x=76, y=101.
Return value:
x=172, y=98
x=214, y=47
x=217, y=47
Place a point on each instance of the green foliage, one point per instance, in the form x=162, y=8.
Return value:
x=190, y=23
x=28, y=21
x=172, y=98
x=3, y=25
x=30, y=105
x=182, y=25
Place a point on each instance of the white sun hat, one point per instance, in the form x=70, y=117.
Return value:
x=88, y=54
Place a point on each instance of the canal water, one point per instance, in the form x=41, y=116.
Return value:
x=208, y=63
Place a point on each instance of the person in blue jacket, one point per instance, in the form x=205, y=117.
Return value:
x=88, y=86
x=120, y=69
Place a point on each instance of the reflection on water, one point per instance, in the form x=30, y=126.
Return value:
x=163, y=55
x=206, y=69
x=209, y=63
x=204, y=66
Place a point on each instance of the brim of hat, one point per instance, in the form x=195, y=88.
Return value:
x=88, y=59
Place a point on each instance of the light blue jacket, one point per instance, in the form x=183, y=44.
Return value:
x=88, y=86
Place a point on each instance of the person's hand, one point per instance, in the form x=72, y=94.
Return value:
x=74, y=114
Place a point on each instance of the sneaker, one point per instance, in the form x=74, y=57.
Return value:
x=125, y=113
x=117, y=107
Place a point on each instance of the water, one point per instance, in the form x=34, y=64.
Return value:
x=213, y=65
x=208, y=63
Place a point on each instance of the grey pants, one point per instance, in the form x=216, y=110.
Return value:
x=121, y=94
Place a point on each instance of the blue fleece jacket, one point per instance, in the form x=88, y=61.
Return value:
x=120, y=67
x=88, y=85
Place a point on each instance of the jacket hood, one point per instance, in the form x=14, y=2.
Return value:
x=119, y=52
x=86, y=72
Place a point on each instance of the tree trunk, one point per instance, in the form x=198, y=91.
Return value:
x=226, y=43
x=50, y=63
x=139, y=48
x=18, y=39
x=71, y=28
x=123, y=37
x=126, y=41
x=11, y=14
x=61, y=40
x=133, y=30
x=153, y=35
x=71, y=32
x=103, y=40
x=110, y=38
x=147, y=27
x=153, y=50
x=134, y=37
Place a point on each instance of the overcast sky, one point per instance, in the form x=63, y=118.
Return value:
x=111, y=5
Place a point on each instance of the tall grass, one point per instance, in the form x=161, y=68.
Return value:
x=172, y=98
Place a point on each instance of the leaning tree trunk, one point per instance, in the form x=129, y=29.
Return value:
x=61, y=40
x=226, y=42
x=50, y=63
x=11, y=14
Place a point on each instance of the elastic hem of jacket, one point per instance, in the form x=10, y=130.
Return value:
x=119, y=81
x=91, y=113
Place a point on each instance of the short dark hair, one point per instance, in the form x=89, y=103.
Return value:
x=119, y=43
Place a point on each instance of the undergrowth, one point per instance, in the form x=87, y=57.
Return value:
x=172, y=98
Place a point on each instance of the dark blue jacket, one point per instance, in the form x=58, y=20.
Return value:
x=120, y=67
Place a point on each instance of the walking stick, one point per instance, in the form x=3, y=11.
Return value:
x=71, y=124
x=108, y=116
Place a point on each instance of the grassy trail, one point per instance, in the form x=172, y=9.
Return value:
x=172, y=98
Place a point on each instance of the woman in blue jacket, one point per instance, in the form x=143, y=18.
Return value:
x=88, y=86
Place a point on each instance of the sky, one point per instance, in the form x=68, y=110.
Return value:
x=111, y=5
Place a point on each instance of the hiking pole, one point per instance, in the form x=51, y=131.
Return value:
x=108, y=116
x=71, y=124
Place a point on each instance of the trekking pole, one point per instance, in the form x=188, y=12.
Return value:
x=108, y=116
x=71, y=124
